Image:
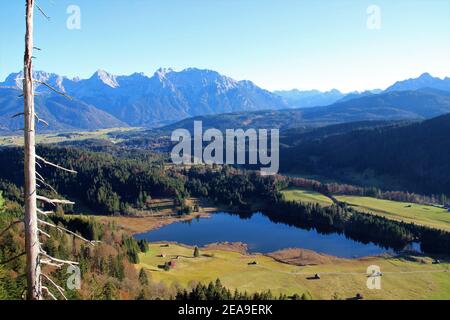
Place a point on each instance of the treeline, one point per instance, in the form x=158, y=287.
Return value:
x=215, y=291
x=335, y=219
x=347, y=189
x=117, y=184
x=234, y=188
x=358, y=226
x=110, y=184
x=106, y=183
x=240, y=189
x=415, y=156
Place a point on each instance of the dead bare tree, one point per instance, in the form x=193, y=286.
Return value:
x=34, y=291
x=34, y=227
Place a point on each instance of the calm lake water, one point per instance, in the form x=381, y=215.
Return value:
x=260, y=234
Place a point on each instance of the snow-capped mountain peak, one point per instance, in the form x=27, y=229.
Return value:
x=105, y=77
x=161, y=73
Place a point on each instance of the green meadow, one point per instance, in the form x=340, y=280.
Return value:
x=48, y=138
x=403, y=278
x=431, y=216
x=426, y=215
x=306, y=196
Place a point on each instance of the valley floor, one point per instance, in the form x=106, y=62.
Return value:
x=402, y=277
x=288, y=271
x=58, y=137
x=426, y=215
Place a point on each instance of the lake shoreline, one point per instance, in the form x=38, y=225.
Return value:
x=291, y=253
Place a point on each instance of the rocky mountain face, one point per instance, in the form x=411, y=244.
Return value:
x=138, y=100
x=106, y=100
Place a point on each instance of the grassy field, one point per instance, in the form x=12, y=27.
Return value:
x=47, y=138
x=306, y=196
x=430, y=216
x=402, y=278
x=434, y=217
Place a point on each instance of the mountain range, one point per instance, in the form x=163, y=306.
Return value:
x=138, y=100
x=388, y=106
x=106, y=100
x=310, y=98
x=424, y=81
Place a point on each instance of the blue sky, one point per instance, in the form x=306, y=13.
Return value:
x=280, y=44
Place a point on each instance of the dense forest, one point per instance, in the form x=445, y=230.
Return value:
x=414, y=157
x=358, y=226
x=107, y=268
x=215, y=291
x=330, y=189
x=108, y=183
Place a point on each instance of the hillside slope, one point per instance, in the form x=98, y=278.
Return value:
x=60, y=113
x=417, y=155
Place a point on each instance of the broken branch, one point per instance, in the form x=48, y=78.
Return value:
x=44, y=233
x=53, y=89
x=46, y=184
x=17, y=115
x=42, y=12
x=54, y=165
x=44, y=213
x=59, y=288
x=52, y=264
x=49, y=293
x=54, y=202
x=41, y=120
x=71, y=263
x=66, y=230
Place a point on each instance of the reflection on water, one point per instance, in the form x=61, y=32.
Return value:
x=261, y=235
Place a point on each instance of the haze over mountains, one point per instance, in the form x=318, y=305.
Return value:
x=424, y=81
x=310, y=98
x=106, y=100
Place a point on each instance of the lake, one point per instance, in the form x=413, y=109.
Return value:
x=260, y=234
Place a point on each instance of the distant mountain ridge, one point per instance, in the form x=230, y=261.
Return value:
x=422, y=82
x=107, y=100
x=166, y=97
x=395, y=105
x=391, y=106
x=311, y=98
x=315, y=98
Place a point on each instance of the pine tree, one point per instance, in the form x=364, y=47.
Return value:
x=143, y=278
x=196, y=252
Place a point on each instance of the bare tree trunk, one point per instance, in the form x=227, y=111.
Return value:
x=34, y=291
